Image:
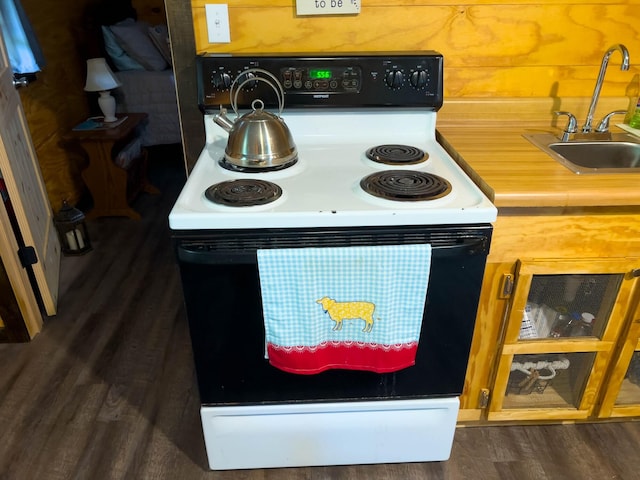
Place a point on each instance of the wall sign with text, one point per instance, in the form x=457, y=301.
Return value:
x=327, y=7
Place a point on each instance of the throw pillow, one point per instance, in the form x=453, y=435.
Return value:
x=134, y=39
x=121, y=61
x=160, y=37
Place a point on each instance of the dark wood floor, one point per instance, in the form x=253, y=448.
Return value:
x=107, y=390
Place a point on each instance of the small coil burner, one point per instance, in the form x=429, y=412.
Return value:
x=405, y=185
x=243, y=192
x=396, y=154
x=239, y=168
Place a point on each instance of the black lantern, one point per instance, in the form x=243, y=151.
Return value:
x=72, y=230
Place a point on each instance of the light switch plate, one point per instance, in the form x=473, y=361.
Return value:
x=218, y=23
x=327, y=7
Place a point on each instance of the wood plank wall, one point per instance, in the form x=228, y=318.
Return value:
x=151, y=11
x=56, y=101
x=519, y=48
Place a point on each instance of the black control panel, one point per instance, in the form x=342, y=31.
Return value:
x=398, y=79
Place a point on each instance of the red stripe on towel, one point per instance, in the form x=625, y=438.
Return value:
x=343, y=355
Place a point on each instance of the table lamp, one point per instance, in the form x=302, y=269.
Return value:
x=101, y=79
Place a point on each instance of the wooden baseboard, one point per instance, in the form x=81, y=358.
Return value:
x=469, y=415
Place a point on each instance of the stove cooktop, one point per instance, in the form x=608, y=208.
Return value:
x=323, y=189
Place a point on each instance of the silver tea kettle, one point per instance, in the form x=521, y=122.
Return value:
x=257, y=139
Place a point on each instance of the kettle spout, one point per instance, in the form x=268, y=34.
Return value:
x=222, y=119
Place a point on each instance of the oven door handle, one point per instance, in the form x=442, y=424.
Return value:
x=203, y=253
x=468, y=245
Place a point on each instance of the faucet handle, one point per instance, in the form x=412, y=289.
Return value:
x=603, y=126
x=572, y=125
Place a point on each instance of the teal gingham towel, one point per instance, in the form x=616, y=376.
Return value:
x=394, y=278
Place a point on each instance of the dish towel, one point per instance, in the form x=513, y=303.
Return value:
x=357, y=308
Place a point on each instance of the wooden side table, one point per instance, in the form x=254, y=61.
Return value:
x=106, y=181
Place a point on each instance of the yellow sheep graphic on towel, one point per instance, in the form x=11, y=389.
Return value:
x=339, y=311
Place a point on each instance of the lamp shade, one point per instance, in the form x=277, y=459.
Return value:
x=99, y=76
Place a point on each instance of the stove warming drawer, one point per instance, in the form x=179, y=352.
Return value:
x=329, y=434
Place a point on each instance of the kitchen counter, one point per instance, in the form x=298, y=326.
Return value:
x=512, y=171
x=551, y=221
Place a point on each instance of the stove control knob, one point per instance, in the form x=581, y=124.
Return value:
x=394, y=78
x=419, y=79
x=221, y=80
x=247, y=77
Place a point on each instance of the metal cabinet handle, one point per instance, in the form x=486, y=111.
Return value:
x=507, y=283
x=20, y=82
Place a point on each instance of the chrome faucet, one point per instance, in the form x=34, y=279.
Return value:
x=586, y=128
x=571, y=128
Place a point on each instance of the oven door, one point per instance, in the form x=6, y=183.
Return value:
x=222, y=293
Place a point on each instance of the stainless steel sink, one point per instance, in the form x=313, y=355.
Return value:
x=620, y=154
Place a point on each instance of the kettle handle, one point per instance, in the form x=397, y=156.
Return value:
x=279, y=90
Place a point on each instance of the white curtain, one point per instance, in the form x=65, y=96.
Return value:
x=24, y=51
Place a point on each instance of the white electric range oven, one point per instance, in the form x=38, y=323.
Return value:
x=368, y=173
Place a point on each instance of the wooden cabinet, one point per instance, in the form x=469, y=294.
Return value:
x=621, y=397
x=561, y=331
x=558, y=329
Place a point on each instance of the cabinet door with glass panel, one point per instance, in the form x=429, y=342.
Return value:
x=621, y=394
x=563, y=323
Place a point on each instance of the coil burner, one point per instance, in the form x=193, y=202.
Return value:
x=243, y=192
x=405, y=185
x=243, y=169
x=396, y=154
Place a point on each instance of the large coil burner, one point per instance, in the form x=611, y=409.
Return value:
x=405, y=185
x=392, y=154
x=243, y=192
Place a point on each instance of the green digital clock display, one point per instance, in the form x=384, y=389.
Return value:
x=319, y=74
